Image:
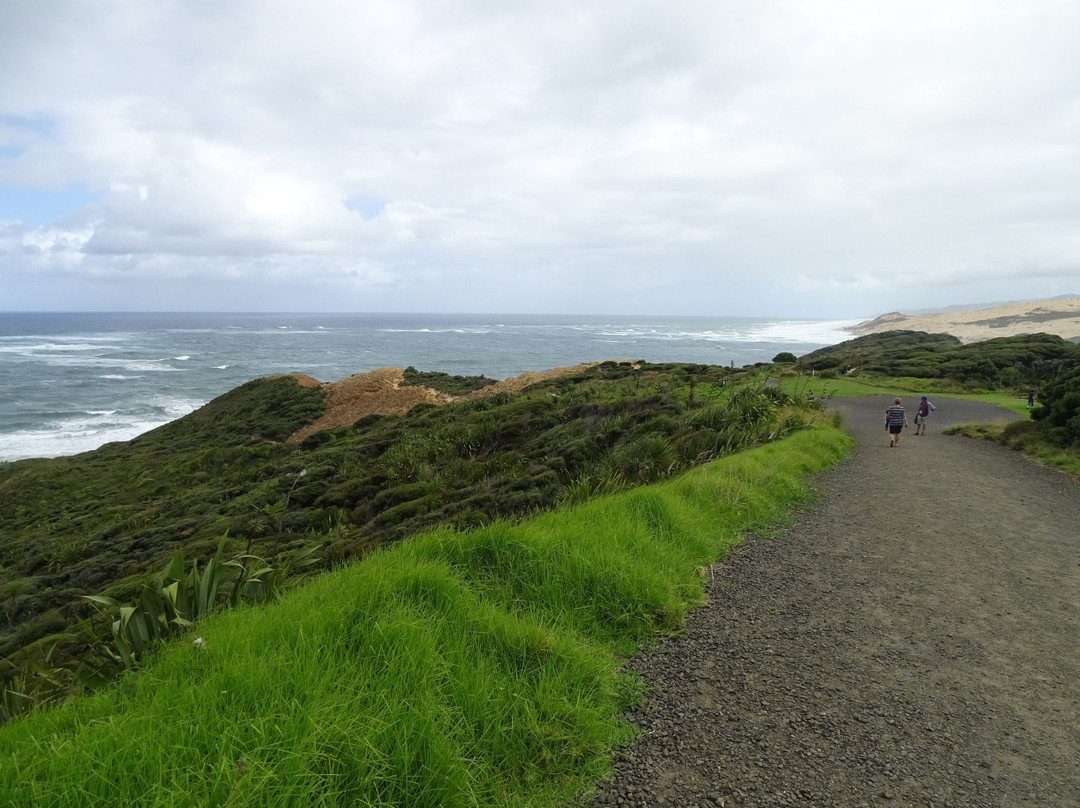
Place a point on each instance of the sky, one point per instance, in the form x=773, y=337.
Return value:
x=834, y=159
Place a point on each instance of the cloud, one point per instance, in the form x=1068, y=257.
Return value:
x=704, y=157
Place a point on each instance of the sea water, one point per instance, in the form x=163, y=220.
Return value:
x=70, y=383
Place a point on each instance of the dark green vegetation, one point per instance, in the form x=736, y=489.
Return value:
x=453, y=670
x=99, y=523
x=262, y=411
x=444, y=382
x=1053, y=436
x=1058, y=413
x=998, y=363
x=81, y=524
x=462, y=667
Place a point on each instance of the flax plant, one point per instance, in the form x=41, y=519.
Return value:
x=477, y=668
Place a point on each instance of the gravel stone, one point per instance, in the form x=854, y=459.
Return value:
x=912, y=640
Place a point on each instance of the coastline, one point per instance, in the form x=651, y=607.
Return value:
x=71, y=383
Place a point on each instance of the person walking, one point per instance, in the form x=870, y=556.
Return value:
x=921, y=414
x=895, y=420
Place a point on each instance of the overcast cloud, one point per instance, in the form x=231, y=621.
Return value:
x=827, y=159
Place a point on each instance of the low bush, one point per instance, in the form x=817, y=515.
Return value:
x=1058, y=412
x=1009, y=361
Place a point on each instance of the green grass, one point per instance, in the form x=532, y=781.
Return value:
x=473, y=668
x=1005, y=400
x=864, y=386
x=100, y=522
x=940, y=388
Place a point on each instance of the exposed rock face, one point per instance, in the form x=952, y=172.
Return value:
x=1061, y=317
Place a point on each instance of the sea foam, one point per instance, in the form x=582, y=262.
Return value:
x=72, y=382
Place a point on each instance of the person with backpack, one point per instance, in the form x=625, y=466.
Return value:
x=921, y=414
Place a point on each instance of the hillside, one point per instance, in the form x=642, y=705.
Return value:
x=282, y=464
x=488, y=667
x=1059, y=316
x=459, y=669
x=385, y=391
x=1022, y=360
x=485, y=666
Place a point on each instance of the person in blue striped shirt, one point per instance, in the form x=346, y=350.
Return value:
x=895, y=420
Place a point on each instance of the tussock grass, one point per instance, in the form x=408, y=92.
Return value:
x=458, y=669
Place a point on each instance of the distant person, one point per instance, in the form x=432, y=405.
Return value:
x=895, y=420
x=921, y=414
x=1031, y=399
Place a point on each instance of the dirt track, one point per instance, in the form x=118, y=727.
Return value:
x=913, y=640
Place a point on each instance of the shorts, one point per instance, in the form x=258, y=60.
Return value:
x=894, y=429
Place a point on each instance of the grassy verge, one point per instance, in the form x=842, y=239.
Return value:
x=824, y=388
x=459, y=669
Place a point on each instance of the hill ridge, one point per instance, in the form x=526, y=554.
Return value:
x=381, y=392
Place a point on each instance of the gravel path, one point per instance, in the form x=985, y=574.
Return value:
x=913, y=640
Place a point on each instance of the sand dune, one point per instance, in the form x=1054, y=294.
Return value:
x=1061, y=317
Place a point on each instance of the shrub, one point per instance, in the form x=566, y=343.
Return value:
x=444, y=382
x=1059, y=410
x=1024, y=359
x=406, y=510
x=263, y=409
x=784, y=358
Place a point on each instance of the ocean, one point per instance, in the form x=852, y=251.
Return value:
x=71, y=382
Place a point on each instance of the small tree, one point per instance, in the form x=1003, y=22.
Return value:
x=979, y=370
x=1059, y=411
x=785, y=358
